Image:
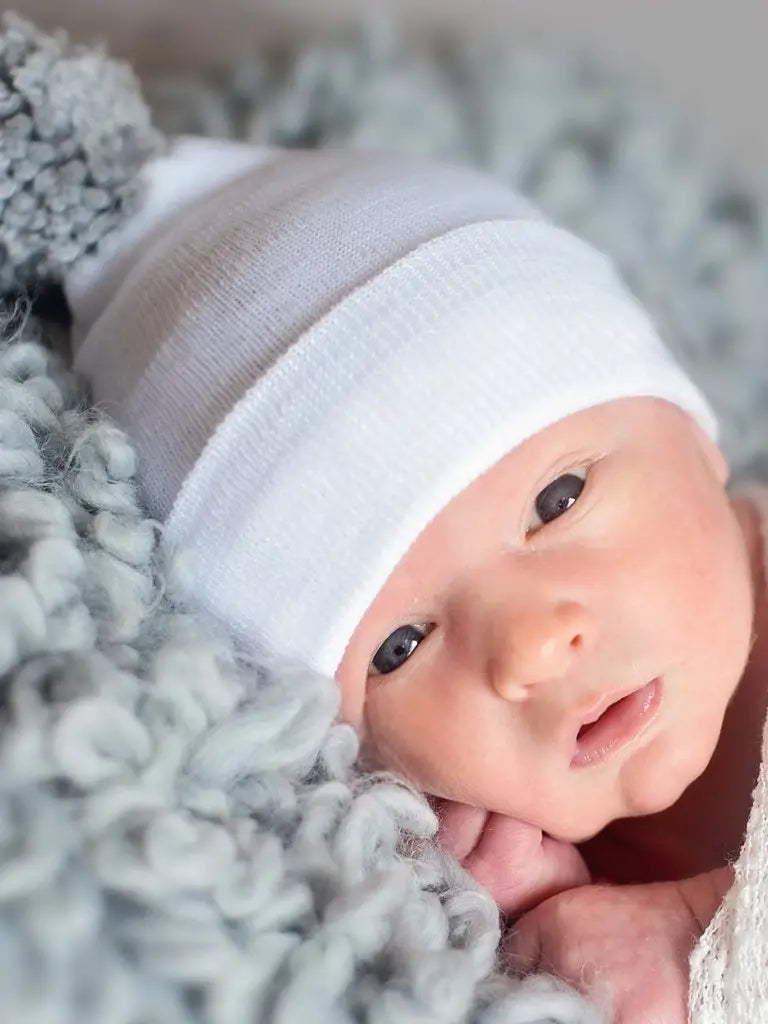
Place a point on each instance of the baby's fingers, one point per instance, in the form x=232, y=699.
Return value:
x=521, y=946
x=522, y=867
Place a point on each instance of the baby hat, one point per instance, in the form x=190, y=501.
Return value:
x=315, y=351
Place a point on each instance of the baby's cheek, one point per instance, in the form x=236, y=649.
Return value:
x=395, y=737
x=381, y=748
x=713, y=594
x=370, y=757
x=352, y=691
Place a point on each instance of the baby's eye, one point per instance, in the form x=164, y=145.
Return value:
x=556, y=497
x=397, y=648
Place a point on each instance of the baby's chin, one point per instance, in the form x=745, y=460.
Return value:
x=576, y=834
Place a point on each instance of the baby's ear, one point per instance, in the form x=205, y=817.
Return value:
x=711, y=452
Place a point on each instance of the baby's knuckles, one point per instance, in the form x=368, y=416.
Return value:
x=625, y=947
x=539, y=867
x=517, y=863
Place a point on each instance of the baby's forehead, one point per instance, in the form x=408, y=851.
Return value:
x=614, y=419
x=483, y=509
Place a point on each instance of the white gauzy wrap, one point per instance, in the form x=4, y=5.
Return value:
x=729, y=964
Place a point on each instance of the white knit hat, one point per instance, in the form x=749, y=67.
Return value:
x=314, y=352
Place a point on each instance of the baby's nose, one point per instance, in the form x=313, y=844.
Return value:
x=535, y=645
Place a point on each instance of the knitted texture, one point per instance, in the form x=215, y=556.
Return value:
x=74, y=132
x=729, y=984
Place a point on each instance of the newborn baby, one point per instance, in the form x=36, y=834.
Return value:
x=566, y=635
x=414, y=436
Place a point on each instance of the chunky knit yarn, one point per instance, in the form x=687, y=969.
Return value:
x=184, y=837
x=74, y=133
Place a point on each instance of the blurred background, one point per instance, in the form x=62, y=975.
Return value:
x=707, y=57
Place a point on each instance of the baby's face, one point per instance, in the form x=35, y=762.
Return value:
x=601, y=554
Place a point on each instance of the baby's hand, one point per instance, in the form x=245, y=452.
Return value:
x=516, y=862
x=626, y=946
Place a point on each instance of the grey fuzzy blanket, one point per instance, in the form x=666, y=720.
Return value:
x=185, y=836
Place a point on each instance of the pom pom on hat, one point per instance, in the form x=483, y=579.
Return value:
x=314, y=352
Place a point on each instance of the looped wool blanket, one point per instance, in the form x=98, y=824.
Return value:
x=185, y=836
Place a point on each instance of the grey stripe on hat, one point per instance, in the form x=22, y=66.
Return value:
x=228, y=289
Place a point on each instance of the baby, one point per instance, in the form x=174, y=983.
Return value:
x=416, y=437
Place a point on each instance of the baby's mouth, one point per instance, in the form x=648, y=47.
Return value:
x=615, y=723
x=600, y=707
x=590, y=722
